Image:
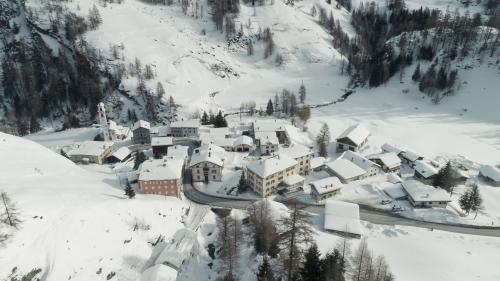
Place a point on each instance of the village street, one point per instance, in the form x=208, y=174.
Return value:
x=366, y=214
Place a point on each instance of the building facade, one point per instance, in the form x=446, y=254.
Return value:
x=141, y=132
x=265, y=175
x=183, y=129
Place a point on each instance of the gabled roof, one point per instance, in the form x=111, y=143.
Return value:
x=208, y=153
x=167, y=168
x=293, y=179
x=121, y=153
x=326, y=185
x=183, y=245
x=345, y=169
x=161, y=141
x=420, y=192
x=411, y=156
x=271, y=165
x=243, y=140
x=358, y=160
x=490, y=172
x=317, y=162
x=178, y=151
x=297, y=150
x=89, y=148
x=425, y=169
x=342, y=217
x=273, y=125
x=389, y=159
x=391, y=148
x=141, y=124
x=193, y=123
x=356, y=134
x=267, y=137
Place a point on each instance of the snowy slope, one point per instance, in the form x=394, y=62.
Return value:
x=75, y=222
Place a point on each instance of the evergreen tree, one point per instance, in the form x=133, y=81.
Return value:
x=311, y=266
x=333, y=267
x=139, y=158
x=265, y=272
x=242, y=184
x=465, y=201
x=323, y=139
x=445, y=178
x=205, y=119
x=269, y=109
x=476, y=200
x=416, y=74
x=129, y=191
x=220, y=120
x=211, y=117
x=302, y=93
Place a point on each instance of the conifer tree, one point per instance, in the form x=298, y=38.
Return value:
x=445, y=178
x=129, y=191
x=302, y=93
x=139, y=158
x=205, y=119
x=476, y=200
x=311, y=266
x=416, y=74
x=220, y=120
x=242, y=184
x=269, y=109
x=323, y=139
x=265, y=272
x=9, y=213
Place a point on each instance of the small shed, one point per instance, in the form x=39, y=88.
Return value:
x=343, y=218
x=120, y=155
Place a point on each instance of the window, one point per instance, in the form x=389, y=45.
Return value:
x=214, y=177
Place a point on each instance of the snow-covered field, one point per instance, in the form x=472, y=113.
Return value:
x=76, y=222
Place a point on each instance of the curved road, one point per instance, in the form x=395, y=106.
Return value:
x=366, y=214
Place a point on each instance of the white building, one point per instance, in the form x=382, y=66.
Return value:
x=301, y=154
x=421, y=195
x=318, y=163
x=90, y=152
x=425, y=172
x=187, y=128
x=389, y=161
x=265, y=175
x=354, y=138
x=141, y=132
x=410, y=157
x=267, y=142
x=180, y=250
x=351, y=166
x=490, y=174
x=342, y=218
x=276, y=126
x=325, y=188
x=207, y=163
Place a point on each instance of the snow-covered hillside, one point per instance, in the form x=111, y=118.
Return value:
x=76, y=225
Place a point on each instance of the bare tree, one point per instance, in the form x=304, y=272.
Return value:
x=11, y=213
x=297, y=233
x=265, y=235
x=229, y=237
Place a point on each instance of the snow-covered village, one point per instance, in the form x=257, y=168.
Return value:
x=311, y=140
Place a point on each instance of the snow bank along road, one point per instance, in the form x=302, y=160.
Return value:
x=366, y=214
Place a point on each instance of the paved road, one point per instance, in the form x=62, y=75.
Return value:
x=366, y=214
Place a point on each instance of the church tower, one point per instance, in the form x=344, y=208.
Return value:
x=103, y=120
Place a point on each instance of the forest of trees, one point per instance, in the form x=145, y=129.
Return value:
x=289, y=252
x=390, y=39
x=38, y=84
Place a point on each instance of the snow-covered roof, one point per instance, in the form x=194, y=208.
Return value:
x=161, y=141
x=222, y=142
x=345, y=168
x=326, y=185
x=271, y=165
x=219, y=132
x=89, y=148
x=178, y=151
x=343, y=217
x=394, y=178
x=243, y=140
x=141, y=124
x=425, y=169
x=297, y=150
x=121, y=153
x=490, y=172
x=411, y=156
x=317, y=162
x=293, y=179
x=273, y=125
x=168, y=168
x=183, y=244
x=208, y=153
x=420, y=192
x=358, y=160
x=395, y=191
x=267, y=137
x=159, y=272
x=193, y=123
x=357, y=134
x=389, y=159
x=391, y=148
